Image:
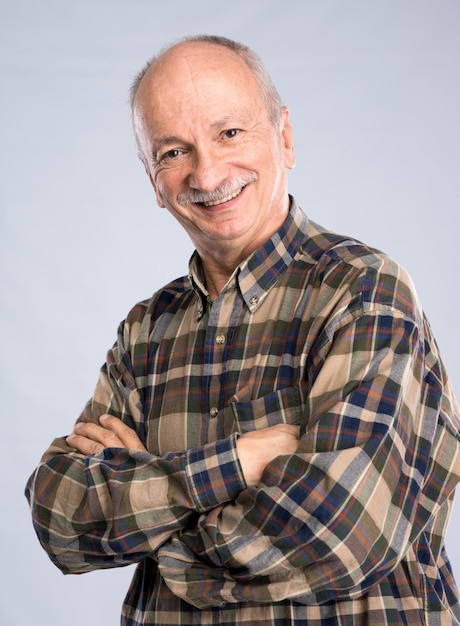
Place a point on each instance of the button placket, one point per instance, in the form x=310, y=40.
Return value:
x=222, y=316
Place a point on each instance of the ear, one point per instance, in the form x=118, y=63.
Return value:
x=286, y=133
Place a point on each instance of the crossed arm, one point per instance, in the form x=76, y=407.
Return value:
x=255, y=449
x=335, y=510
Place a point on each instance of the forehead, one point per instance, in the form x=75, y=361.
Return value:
x=196, y=79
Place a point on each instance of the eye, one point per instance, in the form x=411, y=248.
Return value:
x=231, y=132
x=170, y=154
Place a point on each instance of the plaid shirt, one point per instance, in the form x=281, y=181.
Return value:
x=312, y=329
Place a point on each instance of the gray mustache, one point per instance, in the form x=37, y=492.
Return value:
x=196, y=196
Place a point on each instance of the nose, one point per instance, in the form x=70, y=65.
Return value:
x=208, y=171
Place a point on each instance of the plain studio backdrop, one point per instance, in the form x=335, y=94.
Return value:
x=373, y=89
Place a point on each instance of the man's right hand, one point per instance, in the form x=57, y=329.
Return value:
x=111, y=432
x=258, y=447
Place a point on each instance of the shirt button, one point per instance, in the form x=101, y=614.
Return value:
x=254, y=300
x=214, y=411
x=220, y=339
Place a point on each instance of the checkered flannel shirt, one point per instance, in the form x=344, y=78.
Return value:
x=313, y=329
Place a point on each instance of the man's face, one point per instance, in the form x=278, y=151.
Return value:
x=214, y=157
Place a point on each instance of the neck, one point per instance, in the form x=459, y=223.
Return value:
x=217, y=273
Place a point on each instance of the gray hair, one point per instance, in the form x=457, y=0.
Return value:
x=267, y=89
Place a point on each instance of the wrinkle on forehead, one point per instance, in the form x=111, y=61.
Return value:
x=190, y=61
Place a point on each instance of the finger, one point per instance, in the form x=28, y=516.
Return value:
x=293, y=430
x=83, y=444
x=98, y=434
x=124, y=433
x=288, y=429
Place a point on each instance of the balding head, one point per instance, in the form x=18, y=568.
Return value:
x=267, y=89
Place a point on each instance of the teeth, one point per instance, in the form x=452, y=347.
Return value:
x=226, y=199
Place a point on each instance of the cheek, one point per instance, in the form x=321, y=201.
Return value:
x=160, y=199
x=162, y=189
x=270, y=164
x=168, y=185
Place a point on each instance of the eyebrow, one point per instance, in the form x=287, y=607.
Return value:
x=228, y=120
x=166, y=141
x=223, y=121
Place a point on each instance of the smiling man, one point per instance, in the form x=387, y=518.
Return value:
x=273, y=438
x=215, y=153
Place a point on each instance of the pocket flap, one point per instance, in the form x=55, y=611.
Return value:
x=279, y=407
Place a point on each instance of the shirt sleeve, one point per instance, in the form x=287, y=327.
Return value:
x=116, y=507
x=378, y=457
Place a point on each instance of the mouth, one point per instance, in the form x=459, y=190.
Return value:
x=226, y=192
x=224, y=199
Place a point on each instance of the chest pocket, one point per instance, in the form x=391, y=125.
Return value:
x=279, y=407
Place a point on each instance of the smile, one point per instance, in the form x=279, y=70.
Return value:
x=225, y=199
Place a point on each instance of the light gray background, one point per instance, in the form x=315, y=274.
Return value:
x=373, y=88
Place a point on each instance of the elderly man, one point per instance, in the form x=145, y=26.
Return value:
x=273, y=438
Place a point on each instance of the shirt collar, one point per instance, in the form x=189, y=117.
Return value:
x=257, y=274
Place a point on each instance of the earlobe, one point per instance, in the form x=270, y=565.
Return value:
x=289, y=154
